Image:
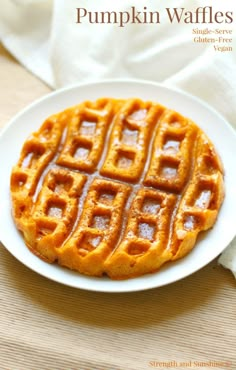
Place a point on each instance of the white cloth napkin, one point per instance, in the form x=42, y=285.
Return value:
x=44, y=36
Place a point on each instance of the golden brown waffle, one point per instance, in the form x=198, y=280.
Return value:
x=116, y=187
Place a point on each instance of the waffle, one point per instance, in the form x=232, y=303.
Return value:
x=116, y=187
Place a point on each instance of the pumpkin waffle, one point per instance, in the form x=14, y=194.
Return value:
x=116, y=187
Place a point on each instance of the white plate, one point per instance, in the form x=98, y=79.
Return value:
x=209, y=245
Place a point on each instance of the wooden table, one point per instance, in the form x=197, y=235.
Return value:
x=48, y=326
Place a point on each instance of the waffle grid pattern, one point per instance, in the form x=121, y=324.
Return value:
x=120, y=208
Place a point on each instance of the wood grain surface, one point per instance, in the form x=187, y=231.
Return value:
x=47, y=326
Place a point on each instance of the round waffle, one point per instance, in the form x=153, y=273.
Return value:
x=116, y=187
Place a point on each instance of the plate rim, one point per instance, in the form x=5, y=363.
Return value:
x=111, y=81
x=69, y=88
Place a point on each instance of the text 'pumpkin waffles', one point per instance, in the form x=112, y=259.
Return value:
x=116, y=187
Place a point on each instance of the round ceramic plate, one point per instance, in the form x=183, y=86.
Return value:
x=209, y=245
